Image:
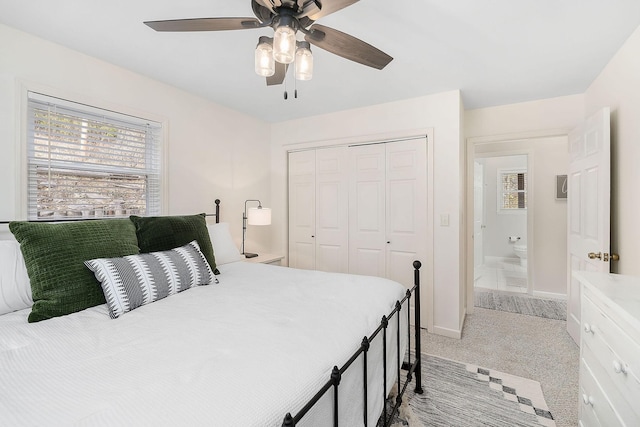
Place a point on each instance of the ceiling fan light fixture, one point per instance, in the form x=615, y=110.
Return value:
x=264, y=62
x=284, y=40
x=304, y=61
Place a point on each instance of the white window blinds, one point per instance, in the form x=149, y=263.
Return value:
x=86, y=162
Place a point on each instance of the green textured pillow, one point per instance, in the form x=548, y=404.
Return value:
x=162, y=233
x=55, y=253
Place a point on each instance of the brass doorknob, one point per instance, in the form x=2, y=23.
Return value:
x=593, y=255
x=612, y=257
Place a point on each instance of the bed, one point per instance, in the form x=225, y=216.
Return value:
x=264, y=346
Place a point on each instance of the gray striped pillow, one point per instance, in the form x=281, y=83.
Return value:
x=132, y=281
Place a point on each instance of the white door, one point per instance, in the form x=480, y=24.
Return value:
x=367, y=239
x=406, y=208
x=588, y=199
x=302, y=211
x=478, y=218
x=332, y=210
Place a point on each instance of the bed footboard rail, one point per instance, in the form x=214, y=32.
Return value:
x=412, y=368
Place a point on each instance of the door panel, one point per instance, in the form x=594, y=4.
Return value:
x=367, y=218
x=589, y=200
x=397, y=263
x=328, y=257
x=302, y=210
x=332, y=210
x=406, y=209
x=367, y=261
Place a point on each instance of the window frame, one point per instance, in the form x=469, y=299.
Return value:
x=500, y=172
x=23, y=192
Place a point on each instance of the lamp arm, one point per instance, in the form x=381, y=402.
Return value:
x=244, y=219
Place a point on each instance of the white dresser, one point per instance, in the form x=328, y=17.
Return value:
x=609, y=350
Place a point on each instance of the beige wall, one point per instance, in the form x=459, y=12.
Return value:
x=440, y=112
x=562, y=114
x=618, y=87
x=212, y=152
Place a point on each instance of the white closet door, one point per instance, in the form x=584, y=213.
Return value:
x=367, y=238
x=332, y=210
x=406, y=207
x=302, y=210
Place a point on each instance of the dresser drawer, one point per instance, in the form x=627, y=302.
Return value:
x=624, y=406
x=595, y=408
x=612, y=346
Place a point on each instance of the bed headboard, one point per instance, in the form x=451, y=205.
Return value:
x=216, y=214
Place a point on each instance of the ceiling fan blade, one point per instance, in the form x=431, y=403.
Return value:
x=347, y=46
x=330, y=6
x=278, y=76
x=204, y=24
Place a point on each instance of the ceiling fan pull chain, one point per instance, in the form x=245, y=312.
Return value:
x=286, y=95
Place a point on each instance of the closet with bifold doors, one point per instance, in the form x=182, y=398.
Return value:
x=359, y=209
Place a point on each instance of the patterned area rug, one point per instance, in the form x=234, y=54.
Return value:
x=463, y=395
x=522, y=304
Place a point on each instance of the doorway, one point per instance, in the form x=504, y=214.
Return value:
x=500, y=222
x=546, y=242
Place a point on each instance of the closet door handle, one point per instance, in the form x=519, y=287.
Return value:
x=388, y=241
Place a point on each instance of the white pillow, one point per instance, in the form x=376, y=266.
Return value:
x=15, y=288
x=224, y=249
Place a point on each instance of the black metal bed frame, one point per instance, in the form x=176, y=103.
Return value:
x=411, y=368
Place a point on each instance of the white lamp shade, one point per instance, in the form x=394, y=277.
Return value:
x=259, y=216
x=284, y=45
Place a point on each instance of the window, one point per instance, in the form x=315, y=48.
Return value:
x=512, y=190
x=87, y=162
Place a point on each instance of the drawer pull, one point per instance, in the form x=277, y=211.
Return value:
x=619, y=367
x=588, y=400
x=589, y=328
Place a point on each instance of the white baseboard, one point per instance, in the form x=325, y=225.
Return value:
x=446, y=332
x=549, y=295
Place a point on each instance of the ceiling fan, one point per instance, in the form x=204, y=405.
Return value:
x=287, y=17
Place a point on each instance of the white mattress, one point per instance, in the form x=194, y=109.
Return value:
x=243, y=353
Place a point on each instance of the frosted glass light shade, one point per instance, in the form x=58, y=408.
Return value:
x=259, y=216
x=304, y=62
x=284, y=45
x=264, y=62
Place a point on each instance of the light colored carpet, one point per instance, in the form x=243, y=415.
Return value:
x=531, y=347
x=522, y=304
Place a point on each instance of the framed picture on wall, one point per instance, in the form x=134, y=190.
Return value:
x=561, y=187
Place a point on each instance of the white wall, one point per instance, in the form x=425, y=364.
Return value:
x=501, y=225
x=440, y=112
x=618, y=86
x=560, y=114
x=212, y=152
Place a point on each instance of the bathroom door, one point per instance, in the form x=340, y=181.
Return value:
x=589, y=200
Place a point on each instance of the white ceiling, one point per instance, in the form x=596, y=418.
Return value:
x=495, y=51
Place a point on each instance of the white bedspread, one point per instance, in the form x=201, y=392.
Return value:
x=239, y=353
